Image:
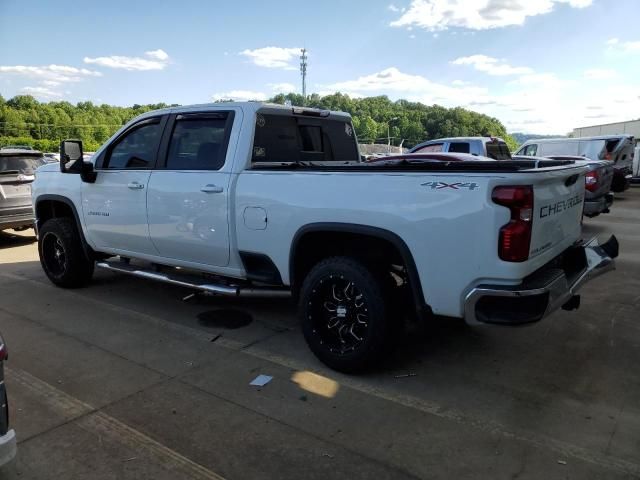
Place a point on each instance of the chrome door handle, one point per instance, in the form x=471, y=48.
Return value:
x=135, y=185
x=210, y=188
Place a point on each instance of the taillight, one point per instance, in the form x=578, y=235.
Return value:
x=3, y=352
x=591, y=181
x=515, y=236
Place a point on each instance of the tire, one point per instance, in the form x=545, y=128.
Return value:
x=62, y=255
x=344, y=309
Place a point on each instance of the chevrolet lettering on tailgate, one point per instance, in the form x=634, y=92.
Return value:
x=561, y=206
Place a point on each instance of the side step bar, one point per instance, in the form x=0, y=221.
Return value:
x=189, y=282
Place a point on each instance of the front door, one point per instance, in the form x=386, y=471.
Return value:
x=188, y=197
x=115, y=206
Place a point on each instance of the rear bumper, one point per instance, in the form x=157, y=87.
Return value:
x=595, y=206
x=543, y=292
x=8, y=447
x=621, y=180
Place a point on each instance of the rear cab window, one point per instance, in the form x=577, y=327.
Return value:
x=460, y=147
x=17, y=164
x=498, y=150
x=283, y=138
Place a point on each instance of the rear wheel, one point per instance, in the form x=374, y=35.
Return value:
x=343, y=309
x=62, y=255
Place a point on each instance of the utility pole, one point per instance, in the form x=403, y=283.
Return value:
x=303, y=72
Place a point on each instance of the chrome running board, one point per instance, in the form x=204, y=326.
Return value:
x=193, y=282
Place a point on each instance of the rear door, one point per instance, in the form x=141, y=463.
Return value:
x=115, y=206
x=557, y=208
x=188, y=198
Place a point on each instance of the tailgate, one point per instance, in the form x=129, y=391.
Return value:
x=557, y=209
x=15, y=190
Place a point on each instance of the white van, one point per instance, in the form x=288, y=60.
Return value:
x=616, y=148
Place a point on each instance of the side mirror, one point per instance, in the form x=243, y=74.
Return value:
x=72, y=161
x=71, y=156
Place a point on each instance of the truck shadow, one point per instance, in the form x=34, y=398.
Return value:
x=9, y=239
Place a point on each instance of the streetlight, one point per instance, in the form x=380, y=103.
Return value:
x=389, y=134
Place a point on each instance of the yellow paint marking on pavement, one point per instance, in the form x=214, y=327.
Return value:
x=88, y=418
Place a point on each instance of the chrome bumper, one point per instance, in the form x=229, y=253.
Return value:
x=593, y=207
x=543, y=293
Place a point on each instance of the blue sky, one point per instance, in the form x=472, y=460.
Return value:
x=540, y=66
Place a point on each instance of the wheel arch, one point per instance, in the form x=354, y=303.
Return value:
x=49, y=206
x=298, y=267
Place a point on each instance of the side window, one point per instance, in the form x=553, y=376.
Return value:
x=198, y=143
x=530, y=150
x=136, y=149
x=434, y=147
x=459, y=147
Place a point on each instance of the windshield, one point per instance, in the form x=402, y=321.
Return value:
x=25, y=165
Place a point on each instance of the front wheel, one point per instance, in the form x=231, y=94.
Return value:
x=343, y=309
x=62, y=255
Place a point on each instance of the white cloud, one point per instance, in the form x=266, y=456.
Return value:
x=273, y=57
x=490, y=65
x=157, y=54
x=395, y=9
x=155, y=60
x=52, y=74
x=41, y=92
x=240, y=96
x=600, y=74
x=391, y=81
x=542, y=81
x=476, y=14
x=48, y=77
x=282, y=87
x=624, y=47
x=536, y=102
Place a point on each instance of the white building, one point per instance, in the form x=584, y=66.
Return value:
x=631, y=127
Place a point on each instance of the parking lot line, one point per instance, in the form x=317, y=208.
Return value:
x=99, y=423
x=562, y=449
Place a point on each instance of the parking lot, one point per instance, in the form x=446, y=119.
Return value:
x=124, y=379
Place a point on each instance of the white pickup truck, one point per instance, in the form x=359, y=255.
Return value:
x=251, y=199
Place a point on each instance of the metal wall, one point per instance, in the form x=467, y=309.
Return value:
x=629, y=128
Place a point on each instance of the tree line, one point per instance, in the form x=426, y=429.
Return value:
x=26, y=121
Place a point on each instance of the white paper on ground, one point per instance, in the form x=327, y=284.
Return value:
x=261, y=380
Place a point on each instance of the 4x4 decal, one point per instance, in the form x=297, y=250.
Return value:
x=453, y=186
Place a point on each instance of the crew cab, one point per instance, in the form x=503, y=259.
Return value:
x=253, y=199
x=490, y=147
